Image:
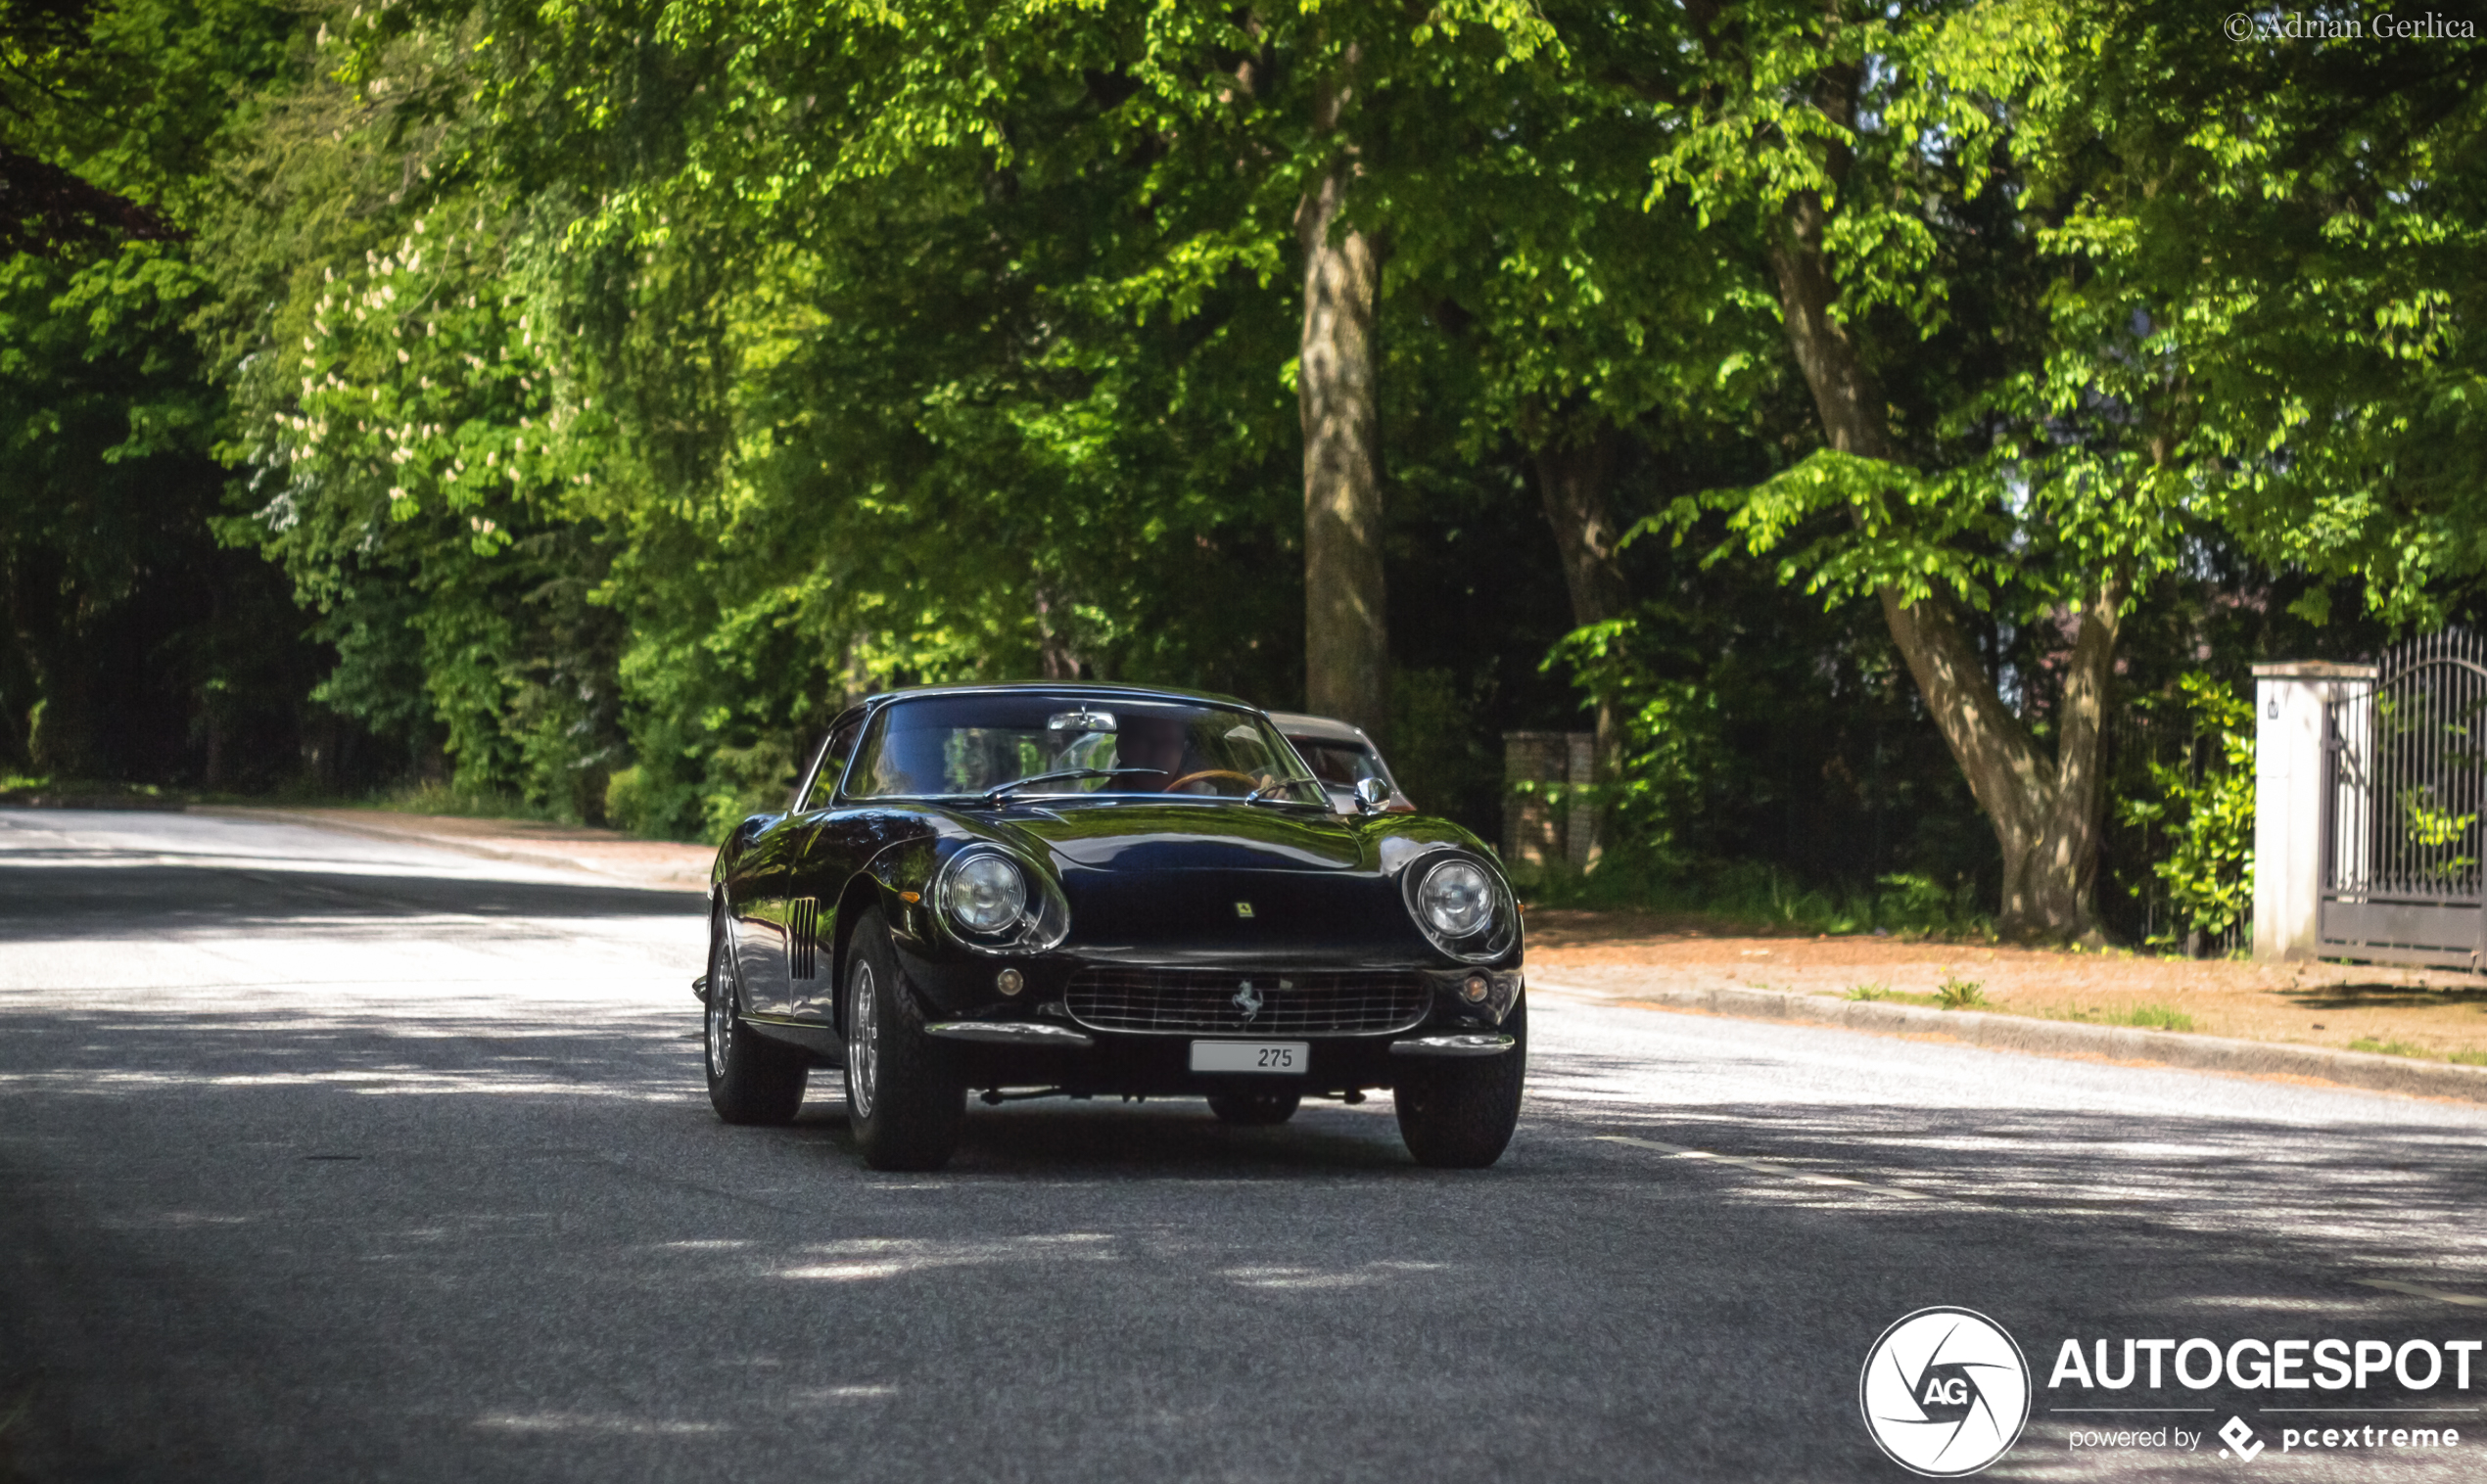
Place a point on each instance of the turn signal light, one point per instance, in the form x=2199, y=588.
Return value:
x=1009, y=981
x=1474, y=991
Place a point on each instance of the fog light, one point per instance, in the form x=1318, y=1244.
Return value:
x=1474, y=991
x=1009, y=981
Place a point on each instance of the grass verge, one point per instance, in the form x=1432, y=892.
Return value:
x=2147, y=1017
x=1952, y=994
x=2390, y=1047
x=2416, y=1052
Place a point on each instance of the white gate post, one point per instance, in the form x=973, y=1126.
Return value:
x=2288, y=783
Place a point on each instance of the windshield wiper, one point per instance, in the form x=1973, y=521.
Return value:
x=1001, y=791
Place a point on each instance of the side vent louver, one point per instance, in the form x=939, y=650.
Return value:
x=803, y=937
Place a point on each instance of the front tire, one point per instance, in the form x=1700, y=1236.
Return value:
x=1459, y=1114
x=751, y=1078
x=1254, y=1110
x=905, y=1100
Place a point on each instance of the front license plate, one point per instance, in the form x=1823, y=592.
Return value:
x=1250, y=1055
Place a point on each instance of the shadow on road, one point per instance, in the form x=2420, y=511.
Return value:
x=1149, y=1276
x=90, y=900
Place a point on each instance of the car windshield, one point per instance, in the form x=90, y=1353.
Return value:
x=1072, y=743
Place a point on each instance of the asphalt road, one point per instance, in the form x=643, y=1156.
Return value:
x=323, y=1158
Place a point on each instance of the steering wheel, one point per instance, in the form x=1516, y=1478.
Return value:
x=1213, y=773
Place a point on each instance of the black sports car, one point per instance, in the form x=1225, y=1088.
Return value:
x=1086, y=888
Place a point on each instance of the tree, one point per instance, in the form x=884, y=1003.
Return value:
x=107, y=477
x=1879, y=179
x=1205, y=146
x=50, y=65
x=1581, y=321
x=2179, y=281
x=1346, y=614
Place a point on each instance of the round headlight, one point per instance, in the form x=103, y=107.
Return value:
x=1457, y=899
x=986, y=895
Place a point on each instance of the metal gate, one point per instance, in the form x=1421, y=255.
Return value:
x=2403, y=765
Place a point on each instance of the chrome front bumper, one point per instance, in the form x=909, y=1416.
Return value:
x=1470, y=1044
x=1011, y=1033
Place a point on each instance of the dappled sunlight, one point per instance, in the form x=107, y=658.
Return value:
x=894, y=1257
x=189, y=902
x=2389, y=1181
x=470, y=1122
x=176, y=1220
x=2361, y=1308
x=366, y=1046
x=2387, y=1194
x=575, y=1422
x=1286, y=1277
x=1178, y=1137
x=395, y=1080
x=841, y=1393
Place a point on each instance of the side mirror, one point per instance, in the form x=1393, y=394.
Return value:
x=1373, y=796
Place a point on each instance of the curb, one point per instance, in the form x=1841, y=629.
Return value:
x=376, y=831
x=2058, y=1038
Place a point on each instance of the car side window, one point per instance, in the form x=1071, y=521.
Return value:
x=1340, y=762
x=833, y=756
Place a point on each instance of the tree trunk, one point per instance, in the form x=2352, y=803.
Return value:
x=1572, y=480
x=1346, y=627
x=1055, y=657
x=43, y=614
x=2046, y=820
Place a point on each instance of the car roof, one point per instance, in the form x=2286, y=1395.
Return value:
x=1295, y=723
x=1079, y=687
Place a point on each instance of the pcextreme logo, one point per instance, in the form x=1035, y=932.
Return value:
x=1945, y=1392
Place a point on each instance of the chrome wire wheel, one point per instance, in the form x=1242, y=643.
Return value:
x=751, y=1078
x=720, y=1011
x=904, y=1096
x=862, y=1042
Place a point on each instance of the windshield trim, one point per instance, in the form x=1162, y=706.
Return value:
x=1102, y=698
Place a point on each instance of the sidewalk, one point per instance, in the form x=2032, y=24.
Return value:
x=2320, y=1020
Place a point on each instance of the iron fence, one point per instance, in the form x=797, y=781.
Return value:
x=2401, y=806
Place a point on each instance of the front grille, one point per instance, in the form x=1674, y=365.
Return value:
x=1192, y=1001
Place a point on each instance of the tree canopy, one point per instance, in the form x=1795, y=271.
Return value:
x=622, y=390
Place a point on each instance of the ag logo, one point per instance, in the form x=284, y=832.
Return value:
x=1945, y=1392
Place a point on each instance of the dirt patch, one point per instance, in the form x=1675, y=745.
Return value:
x=2429, y=1012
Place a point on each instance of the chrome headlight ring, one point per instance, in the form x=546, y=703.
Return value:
x=1462, y=905
x=988, y=900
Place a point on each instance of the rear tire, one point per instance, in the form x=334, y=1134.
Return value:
x=1254, y=1110
x=905, y=1100
x=1458, y=1114
x=751, y=1078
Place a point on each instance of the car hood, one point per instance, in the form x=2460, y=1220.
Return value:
x=1216, y=885
x=1208, y=884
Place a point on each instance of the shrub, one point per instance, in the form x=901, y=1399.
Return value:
x=2208, y=816
x=1960, y=994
